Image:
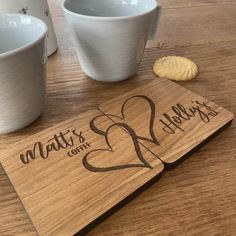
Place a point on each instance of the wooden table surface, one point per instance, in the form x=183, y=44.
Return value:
x=199, y=196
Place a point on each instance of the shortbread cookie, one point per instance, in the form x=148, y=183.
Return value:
x=175, y=68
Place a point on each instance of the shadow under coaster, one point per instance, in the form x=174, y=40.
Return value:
x=73, y=175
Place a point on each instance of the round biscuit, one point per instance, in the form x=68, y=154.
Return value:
x=175, y=68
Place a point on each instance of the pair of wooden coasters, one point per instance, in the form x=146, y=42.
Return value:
x=72, y=175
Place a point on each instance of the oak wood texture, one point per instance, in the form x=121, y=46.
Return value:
x=182, y=121
x=60, y=195
x=203, y=187
x=69, y=175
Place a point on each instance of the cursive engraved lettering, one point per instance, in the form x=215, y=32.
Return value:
x=63, y=140
x=181, y=113
x=172, y=122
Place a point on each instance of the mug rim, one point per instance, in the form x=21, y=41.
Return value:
x=28, y=45
x=156, y=5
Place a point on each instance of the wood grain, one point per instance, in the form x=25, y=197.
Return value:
x=204, y=186
x=180, y=118
x=182, y=23
x=73, y=173
x=60, y=193
x=193, y=3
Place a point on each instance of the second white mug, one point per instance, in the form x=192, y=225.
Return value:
x=23, y=62
x=111, y=35
x=36, y=8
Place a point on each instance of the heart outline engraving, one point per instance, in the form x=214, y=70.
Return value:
x=151, y=121
x=130, y=131
x=133, y=135
x=122, y=118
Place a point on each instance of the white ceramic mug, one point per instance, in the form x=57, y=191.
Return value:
x=22, y=70
x=111, y=35
x=36, y=8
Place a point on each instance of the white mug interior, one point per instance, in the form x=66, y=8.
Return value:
x=19, y=31
x=110, y=8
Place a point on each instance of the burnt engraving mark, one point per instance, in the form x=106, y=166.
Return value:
x=171, y=121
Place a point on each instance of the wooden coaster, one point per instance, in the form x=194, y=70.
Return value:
x=70, y=175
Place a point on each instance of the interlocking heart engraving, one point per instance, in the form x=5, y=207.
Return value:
x=133, y=135
x=139, y=126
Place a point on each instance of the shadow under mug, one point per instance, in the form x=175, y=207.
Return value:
x=111, y=35
x=23, y=69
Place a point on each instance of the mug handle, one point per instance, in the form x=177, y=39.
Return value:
x=155, y=21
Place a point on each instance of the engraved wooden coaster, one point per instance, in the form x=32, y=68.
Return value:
x=72, y=174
